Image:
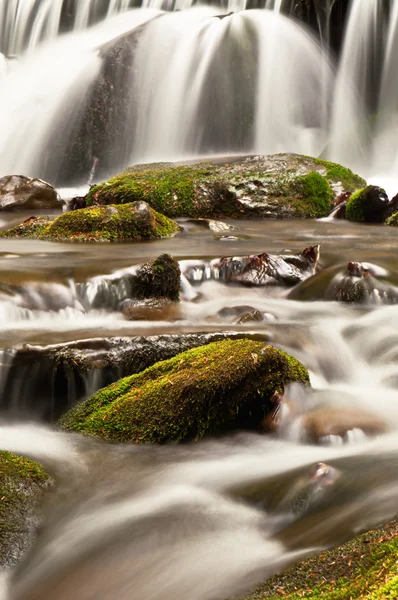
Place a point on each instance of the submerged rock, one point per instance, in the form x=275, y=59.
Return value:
x=359, y=284
x=23, y=193
x=22, y=484
x=258, y=269
x=206, y=391
x=368, y=205
x=147, y=309
x=275, y=186
x=159, y=278
x=133, y=221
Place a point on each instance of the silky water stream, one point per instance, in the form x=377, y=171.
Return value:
x=212, y=519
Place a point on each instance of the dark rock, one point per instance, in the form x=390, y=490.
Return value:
x=210, y=390
x=147, y=309
x=159, y=278
x=76, y=203
x=23, y=193
x=368, y=205
x=358, y=284
x=250, y=317
x=258, y=269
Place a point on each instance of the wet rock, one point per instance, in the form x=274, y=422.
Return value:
x=276, y=186
x=217, y=388
x=23, y=193
x=258, y=269
x=250, y=317
x=235, y=311
x=340, y=205
x=76, y=203
x=212, y=225
x=133, y=221
x=62, y=374
x=22, y=486
x=159, y=278
x=335, y=421
x=358, y=284
x=368, y=205
x=147, y=309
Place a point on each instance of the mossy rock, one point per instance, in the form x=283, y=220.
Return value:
x=220, y=387
x=275, y=186
x=134, y=221
x=368, y=205
x=159, y=278
x=365, y=568
x=393, y=220
x=22, y=484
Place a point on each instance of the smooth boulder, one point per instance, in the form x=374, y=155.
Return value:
x=210, y=390
x=18, y=193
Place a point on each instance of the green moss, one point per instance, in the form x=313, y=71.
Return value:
x=281, y=185
x=364, y=568
x=30, y=228
x=336, y=173
x=314, y=195
x=354, y=210
x=21, y=484
x=157, y=278
x=133, y=221
x=169, y=190
x=393, y=220
x=208, y=390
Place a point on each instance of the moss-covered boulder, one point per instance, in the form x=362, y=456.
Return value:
x=364, y=568
x=208, y=390
x=22, y=484
x=159, y=278
x=393, y=220
x=368, y=205
x=275, y=186
x=134, y=221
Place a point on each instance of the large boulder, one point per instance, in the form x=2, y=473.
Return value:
x=23, y=193
x=220, y=387
x=276, y=186
x=22, y=485
x=133, y=221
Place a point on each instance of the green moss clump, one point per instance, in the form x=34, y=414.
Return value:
x=365, y=568
x=393, y=220
x=159, y=278
x=30, y=228
x=208, y=390
x=315, y=194
x=336, y=173
x=354, y=210
x=126, y=222
x=22, y=483
x=169, y=190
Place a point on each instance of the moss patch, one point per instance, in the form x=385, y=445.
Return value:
x=275, y=186
x=393, y=220
x=364, y=568
x=159, y=278
x=208, y=390
x=134, y=221
x=22, y=483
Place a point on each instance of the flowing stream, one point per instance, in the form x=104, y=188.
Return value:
x=89, y=87
x=213, y=519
